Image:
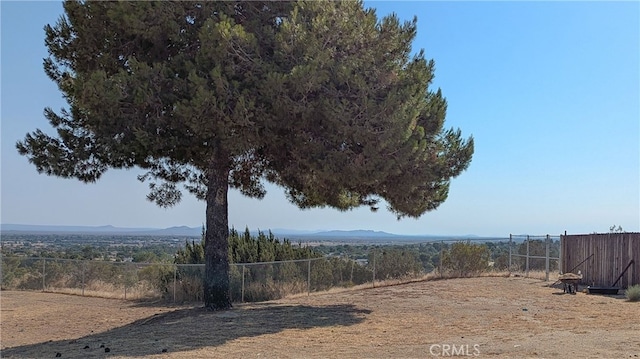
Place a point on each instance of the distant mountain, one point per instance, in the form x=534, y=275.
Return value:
x=108, y=229
x=67, y=229
x=284, y=231
x=179, y=231
x=353, y=233
x=197, y=231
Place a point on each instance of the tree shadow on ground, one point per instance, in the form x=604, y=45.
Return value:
x=192, y=328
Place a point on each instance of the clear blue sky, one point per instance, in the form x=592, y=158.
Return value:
x=549, y=90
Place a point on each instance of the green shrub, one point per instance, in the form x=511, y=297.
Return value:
x=466, y=259
x=158, y=276
x=321, y=275
x=11, y=272
x=633, y=293
x=392, y=263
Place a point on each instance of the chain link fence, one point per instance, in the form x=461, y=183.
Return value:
x=252, y=282
x=249, y=282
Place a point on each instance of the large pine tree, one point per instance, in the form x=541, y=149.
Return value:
x=319, y=97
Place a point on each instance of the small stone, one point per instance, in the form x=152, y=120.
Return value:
x=106, y=350
x=164, y=350
x=58, y=355
x=101, y=345
x=87, y=347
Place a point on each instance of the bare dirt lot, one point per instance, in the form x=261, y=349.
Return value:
x=494, y=317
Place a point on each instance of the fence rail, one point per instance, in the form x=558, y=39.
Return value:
x=533, y=248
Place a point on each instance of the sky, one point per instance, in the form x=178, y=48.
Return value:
x=550, y=92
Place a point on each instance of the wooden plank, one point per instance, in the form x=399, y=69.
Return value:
x=612, y=252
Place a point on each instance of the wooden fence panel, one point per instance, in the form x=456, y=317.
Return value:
x=634, y=252
x=610, y=254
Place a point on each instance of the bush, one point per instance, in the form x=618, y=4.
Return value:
x=12, y=272
x=392, y=263
x=466, y=259
x=633, y=293
x=158, y=276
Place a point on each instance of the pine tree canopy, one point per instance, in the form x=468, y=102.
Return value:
x=322, y=98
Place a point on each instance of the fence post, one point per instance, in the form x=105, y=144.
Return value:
x=510, y=245
x=126, y=280
x=84, y=265
x=353, y=262
x=242, y=289
x=560, y=254
x=527, y=265
x=175, y=279
x=309, y=277
x=546, y=260
x=44, y=273
x=373, y=260
x=441, y=255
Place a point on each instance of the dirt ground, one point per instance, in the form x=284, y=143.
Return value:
x=494, y=317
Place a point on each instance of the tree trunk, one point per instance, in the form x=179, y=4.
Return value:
x=216, y=252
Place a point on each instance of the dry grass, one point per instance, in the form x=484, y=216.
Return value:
x=130, y=294
x=507, y=317
x=101, y=289
x=186, y=291
x=633, y=293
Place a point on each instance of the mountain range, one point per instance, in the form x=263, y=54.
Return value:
x=197, y=231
